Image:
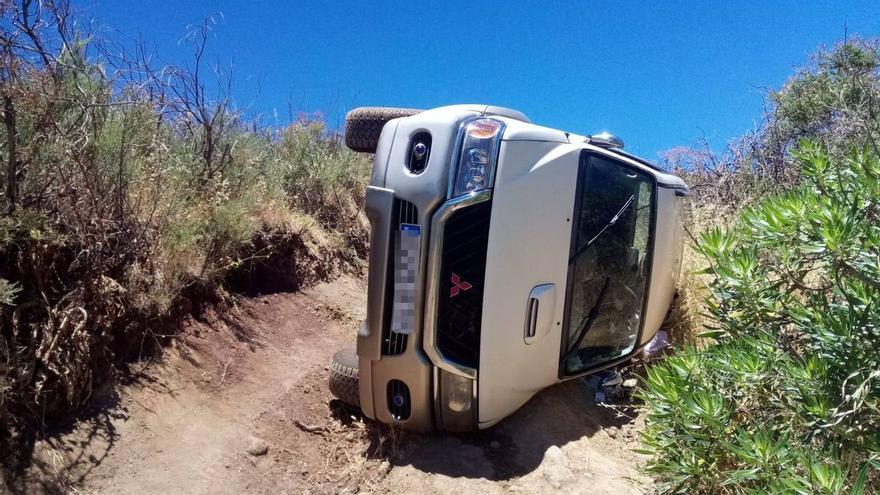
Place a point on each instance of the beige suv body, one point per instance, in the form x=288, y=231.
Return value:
x=505, y=257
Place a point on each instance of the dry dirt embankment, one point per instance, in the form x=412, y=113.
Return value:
x=253, y=381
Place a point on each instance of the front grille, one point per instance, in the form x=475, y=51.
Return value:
x=398, y=400
x=462, y=276
x=394, y=343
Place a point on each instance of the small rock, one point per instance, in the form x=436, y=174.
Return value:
x=495, y=444
x=612, y=432
x=257, y=447
x=554, y=455
x=385, y=467
x=630, y=383
x=557, y=475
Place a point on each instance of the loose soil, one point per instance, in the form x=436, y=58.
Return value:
x=240, y=405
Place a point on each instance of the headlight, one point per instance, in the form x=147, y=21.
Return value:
x=479, y=151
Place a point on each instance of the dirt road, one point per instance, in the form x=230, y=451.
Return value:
x=253, y=381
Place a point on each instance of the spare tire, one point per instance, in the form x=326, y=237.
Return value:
x=344, y=377
x=364, y=125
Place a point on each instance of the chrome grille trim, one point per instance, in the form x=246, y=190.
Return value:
x=435, y=254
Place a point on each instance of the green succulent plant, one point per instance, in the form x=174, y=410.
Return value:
x=785, y=398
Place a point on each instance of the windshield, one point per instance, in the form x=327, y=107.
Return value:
x=609, y=263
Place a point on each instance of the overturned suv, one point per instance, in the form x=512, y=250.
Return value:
x=504, y=257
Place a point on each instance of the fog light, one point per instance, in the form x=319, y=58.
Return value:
x=398, y=400
x=459, y=398
x=458, y=408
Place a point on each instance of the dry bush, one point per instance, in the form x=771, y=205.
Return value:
x=834, y=101
x=130, y=194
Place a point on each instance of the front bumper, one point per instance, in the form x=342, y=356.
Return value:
x=441, y=392
x=377, y=369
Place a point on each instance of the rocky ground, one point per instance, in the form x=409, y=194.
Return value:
x=240, y=405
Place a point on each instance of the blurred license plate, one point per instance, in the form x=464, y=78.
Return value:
x=406, y=272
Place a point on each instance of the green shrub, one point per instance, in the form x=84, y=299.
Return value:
x=787, y=398
x=834, y=100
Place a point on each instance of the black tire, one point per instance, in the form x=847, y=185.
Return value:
x=344, y=377
x=364, y=125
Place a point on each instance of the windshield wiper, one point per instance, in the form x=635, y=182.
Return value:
x=611, y=222
x=586, y=323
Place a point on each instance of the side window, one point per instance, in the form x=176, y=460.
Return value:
x=608, y=268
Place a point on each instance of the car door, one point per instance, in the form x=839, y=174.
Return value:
x=526, y=271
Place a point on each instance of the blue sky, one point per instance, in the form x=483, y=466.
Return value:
x=659, y=74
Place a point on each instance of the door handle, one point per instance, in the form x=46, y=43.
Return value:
x=531, y=318
x=539, y=312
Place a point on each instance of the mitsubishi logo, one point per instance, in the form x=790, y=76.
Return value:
x=458, y=285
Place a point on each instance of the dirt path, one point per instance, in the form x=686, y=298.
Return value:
x=255, y=378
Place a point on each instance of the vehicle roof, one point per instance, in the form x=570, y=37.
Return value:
x=520, y=128
x=663, y=177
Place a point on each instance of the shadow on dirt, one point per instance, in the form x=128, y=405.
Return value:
x=513, y=448
x=43, y=461
x=55, y=458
